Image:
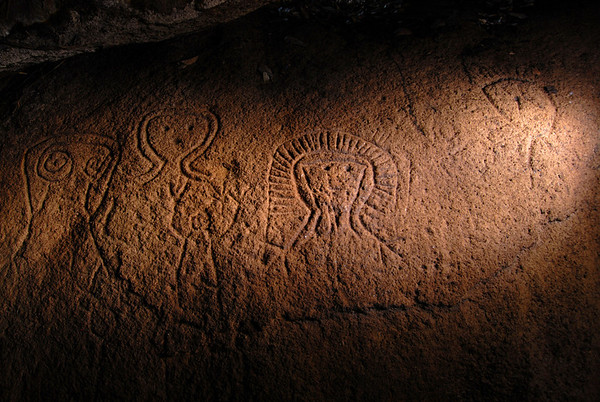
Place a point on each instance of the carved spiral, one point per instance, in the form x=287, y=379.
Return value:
x=96, y=165
x=55, y=165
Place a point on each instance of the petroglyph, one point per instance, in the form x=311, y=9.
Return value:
x=408, y=256
x=63, y=164
x=523, y=103
x=323, y=189
x=177, y=136
x=203, y=211
x=184, y=204
x=514, y=93
x=334, y=179
x=180, y=137
x=67, y=178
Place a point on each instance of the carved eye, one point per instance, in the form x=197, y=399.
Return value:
x=95, y=166
x=55, y=165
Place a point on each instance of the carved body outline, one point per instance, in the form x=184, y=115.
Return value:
x=100, y=171
x=185, y=176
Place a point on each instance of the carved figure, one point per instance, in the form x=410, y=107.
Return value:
x=197, y=205
x=176, y=136
x=337, y=178
x=332, y=255
x=67, y=178
x=53, y=272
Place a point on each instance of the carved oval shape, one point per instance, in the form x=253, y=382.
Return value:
x=55, y=165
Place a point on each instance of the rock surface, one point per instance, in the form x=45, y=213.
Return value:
x=283, y=211
x=36, y=31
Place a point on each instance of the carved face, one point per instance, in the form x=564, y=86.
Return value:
x=522, y=103
x=70, y=170
x=172, y=135
x=177, y=136
x=332, y=185
x=323, y=181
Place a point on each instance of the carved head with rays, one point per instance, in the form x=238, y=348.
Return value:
x=336, y=179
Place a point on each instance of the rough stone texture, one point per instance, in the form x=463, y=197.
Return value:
x=35, y=31
x=285, y=211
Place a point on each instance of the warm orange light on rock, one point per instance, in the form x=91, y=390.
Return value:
x=406, y=220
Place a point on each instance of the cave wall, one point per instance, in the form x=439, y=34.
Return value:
x=38, y=31
x=278, y=210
